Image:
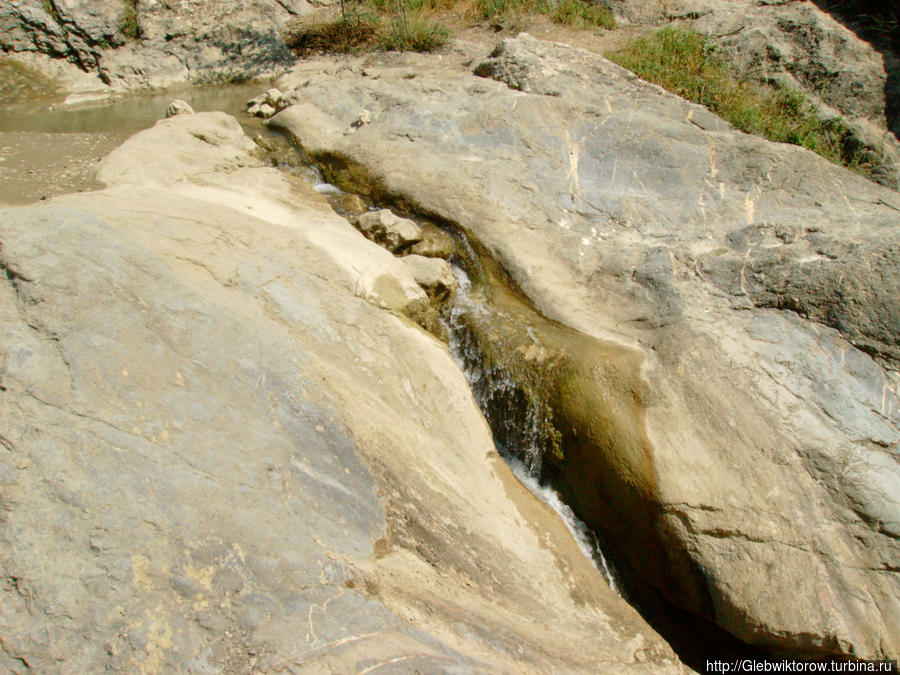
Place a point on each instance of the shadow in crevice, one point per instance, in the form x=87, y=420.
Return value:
x=877, y=22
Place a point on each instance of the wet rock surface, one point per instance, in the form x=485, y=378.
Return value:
x=749, y=290
x=223, y=449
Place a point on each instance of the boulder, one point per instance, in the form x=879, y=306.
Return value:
x=800, y=46
x=436, y=243
x=221, y=454
x=179, y=107
x=433, y=274
x=389, y=230
x=734, y=427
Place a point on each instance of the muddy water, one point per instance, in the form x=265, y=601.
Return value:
x=48, y=149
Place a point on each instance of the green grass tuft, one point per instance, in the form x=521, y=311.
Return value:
x=129, y=23
x=414, y=32
x=364, y=31
x=576, y=13
x=683, y=61
x=580, y=14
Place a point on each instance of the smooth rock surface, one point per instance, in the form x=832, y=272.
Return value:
x=756, y=282
x=220, y=454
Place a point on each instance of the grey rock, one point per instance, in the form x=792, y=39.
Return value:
x=436, y=243
x=179, y=107
x=802, y=47
x=432, y=274
x=235, y=459
x=386, y=229
x=752, y=286
x=155, y=44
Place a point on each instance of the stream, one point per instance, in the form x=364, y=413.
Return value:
x=47, y=149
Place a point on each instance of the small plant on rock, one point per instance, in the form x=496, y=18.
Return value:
x=129, y=25
x=684, y=62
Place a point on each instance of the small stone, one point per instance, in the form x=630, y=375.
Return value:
x=436, y=243
x=434, y=275
x=388, y=230
x=265, y=110
x=275, y=98
x=24, y=464
x=347, y=204
x=254, y=110
x=179, y=107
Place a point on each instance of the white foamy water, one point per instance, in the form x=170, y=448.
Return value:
x=326, y=189
x=585, y=539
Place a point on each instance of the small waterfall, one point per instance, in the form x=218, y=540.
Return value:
x=514, y=419
x=517, y=421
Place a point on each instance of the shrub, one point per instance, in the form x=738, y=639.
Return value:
x=684, y=62
x=575, y=13
x=344, y=35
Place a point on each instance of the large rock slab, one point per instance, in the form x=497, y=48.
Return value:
x=224, y=449
x=756, y=283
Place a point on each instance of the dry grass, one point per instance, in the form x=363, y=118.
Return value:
x=684, y=62
x=424, y=25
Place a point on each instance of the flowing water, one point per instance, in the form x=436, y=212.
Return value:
x=515, y=420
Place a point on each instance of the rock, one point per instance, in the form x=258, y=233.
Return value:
x=348, y=204
x=179, y=107
x=802, y=47
x=388, y=230
x=432, y=274
x=77, y=29
x=734, y=428
x=267, y=104
x=275, y=99
x=154, y=44
x=235, y=462
x=435, y=243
